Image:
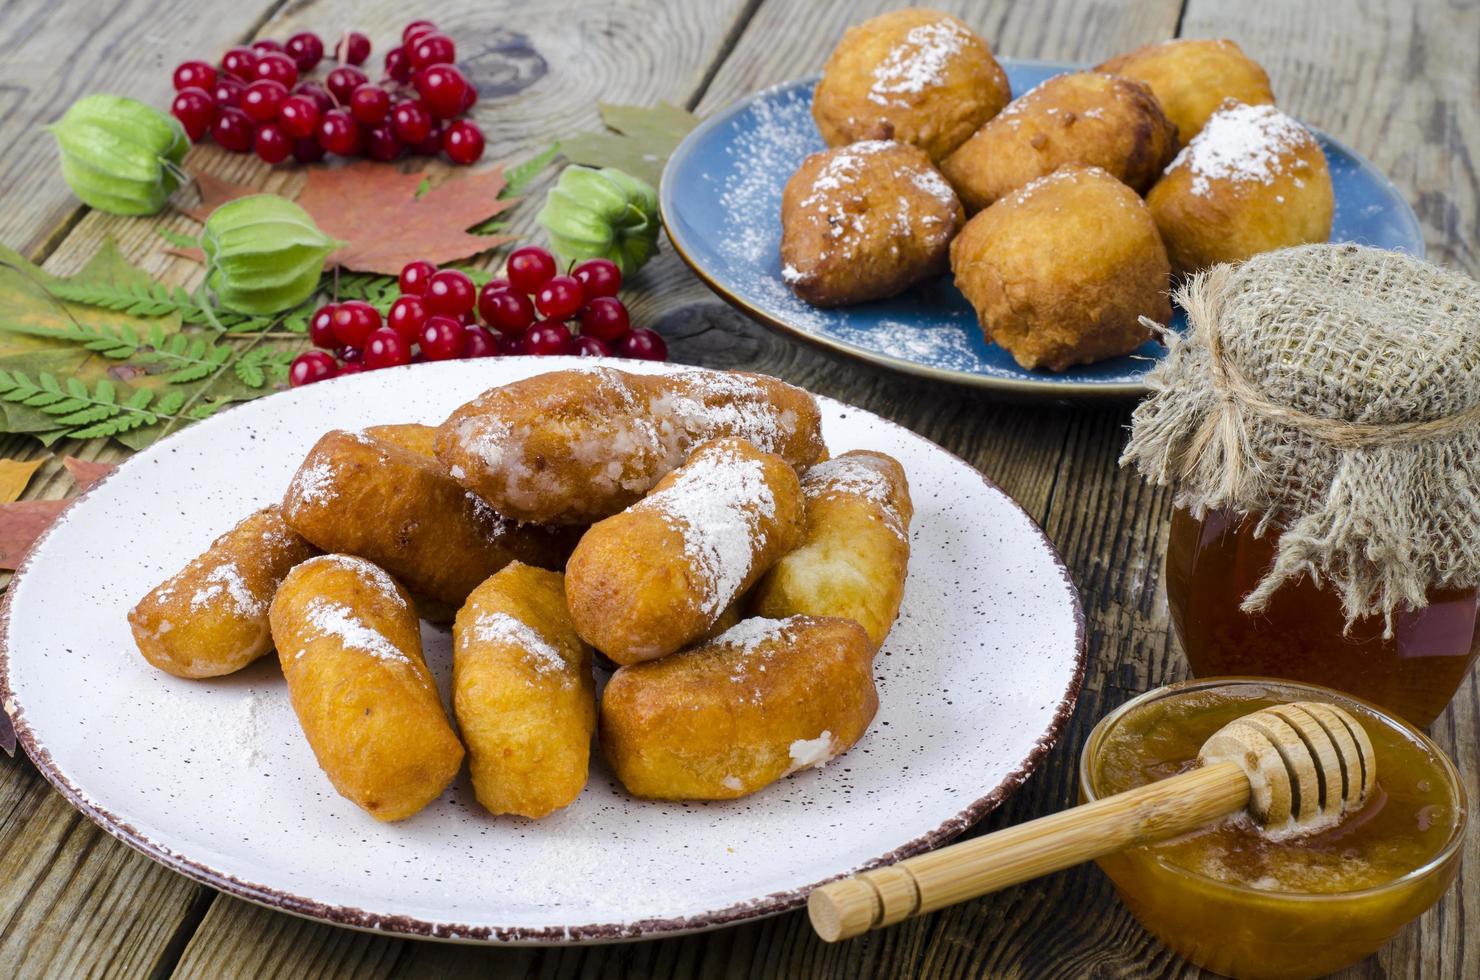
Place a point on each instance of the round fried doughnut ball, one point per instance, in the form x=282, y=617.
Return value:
x=865, y=221
x=1061, y=270
x=1082, y=119
x=917, y=76
x=1252, y=181
x=1192, y=76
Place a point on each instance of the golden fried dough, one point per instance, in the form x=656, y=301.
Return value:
x=418, y=438
x=853, y=559
x=523, y=693
x=1252, y=181
x=1082, y=119
x=350, y=646
x=361, y=496
x=722, y=720
x=728, y=617
x=1192, y=76
x=917, y=76
x=210, y=618
x=865, y=221
x=655, y=577
x=570, y=447
x=1060, y=271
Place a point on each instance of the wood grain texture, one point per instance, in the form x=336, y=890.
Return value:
x=55, y=52
x=1398, y=82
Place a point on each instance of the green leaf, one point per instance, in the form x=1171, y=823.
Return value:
x=170, y=402
x=108, y=266
x=638, y=141
x=177, y=239
x=518, y=176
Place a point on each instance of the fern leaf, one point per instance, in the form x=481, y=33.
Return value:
x=88, y=415
x=517, y=177
x=250, y=373
x=170, y=402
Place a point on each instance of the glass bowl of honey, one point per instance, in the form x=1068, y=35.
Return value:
x=1234, y=900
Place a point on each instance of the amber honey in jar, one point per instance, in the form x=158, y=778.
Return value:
x=1302, y=633
x=1320, y=424
x=1231, y=898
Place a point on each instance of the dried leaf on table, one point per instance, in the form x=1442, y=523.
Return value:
x=639, y=139
x=110, y=266
x=32, y=317
x=15, y=474
x=214, y=192
x=86, y=472
x=388, y=217
x=21, y=523
x=376, y=209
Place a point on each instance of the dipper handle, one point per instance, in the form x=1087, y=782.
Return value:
x=1297, y=768
x=933, y=880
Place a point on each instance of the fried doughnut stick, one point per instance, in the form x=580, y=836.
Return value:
x=361, y=496
x=853, y=559
x=350, y=646
x=523, y=693
x=759, y=702
x=657, y=576
x=210, y=618
x=572, y=447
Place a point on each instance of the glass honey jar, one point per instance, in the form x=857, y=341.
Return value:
x=1302, y=633
x=1319, y=422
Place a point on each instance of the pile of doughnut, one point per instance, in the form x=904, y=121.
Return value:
x=687, y=530
x=1062, y=257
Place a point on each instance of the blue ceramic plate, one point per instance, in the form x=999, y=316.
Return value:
x=721, y=204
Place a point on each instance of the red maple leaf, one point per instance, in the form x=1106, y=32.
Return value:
x=376, y=209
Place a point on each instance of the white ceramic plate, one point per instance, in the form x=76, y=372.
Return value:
x=214, y=778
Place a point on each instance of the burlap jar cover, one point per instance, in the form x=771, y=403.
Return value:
x=1334, y=391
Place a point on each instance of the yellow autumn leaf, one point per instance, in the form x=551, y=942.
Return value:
x=15, y=474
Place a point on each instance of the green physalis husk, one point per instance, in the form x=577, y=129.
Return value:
x=603, y=214
x=120, y=155
x=263, y=254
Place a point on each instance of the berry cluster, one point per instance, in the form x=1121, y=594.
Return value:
x=259, y=99
x=436, y=318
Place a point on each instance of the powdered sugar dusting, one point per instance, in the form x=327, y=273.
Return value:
x=746, y=640
x=367, y=570
x=500, y=627
x=859, y=476
x=784, y=134
x=325, y=619
x=696, y=406
x=312, y=484
x=1241, y=143
x=716, y=503
x=811, y=753
x=748, y=634
x=917, y=63
x=225, y=581
x=929, y=180
x=845, y=204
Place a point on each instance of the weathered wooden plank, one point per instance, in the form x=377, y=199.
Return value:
x=57, y=52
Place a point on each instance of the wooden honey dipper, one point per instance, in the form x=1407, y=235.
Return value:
x=1296, y=768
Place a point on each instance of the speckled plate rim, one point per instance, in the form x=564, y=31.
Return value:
x=1058, y=388
x=414, y=927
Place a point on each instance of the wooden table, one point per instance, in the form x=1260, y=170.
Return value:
x=1396, y=80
